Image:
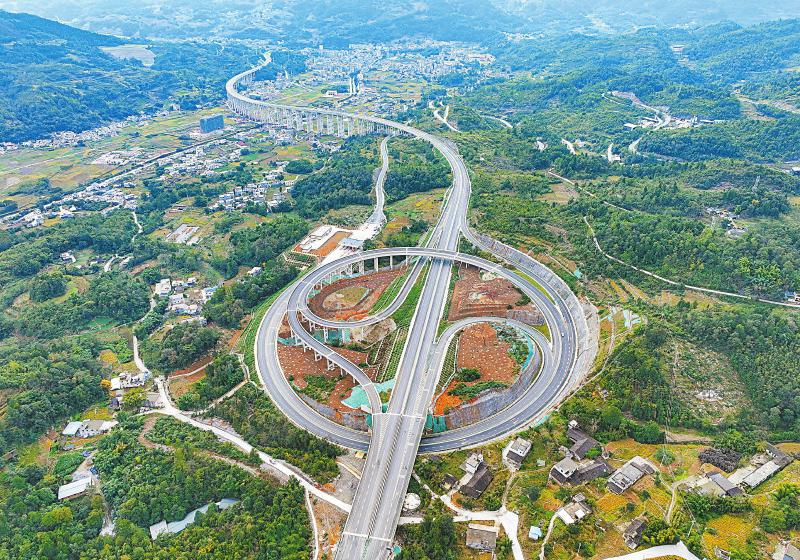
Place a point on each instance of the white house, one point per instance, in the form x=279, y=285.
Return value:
x=72, y=428
x=75, y=489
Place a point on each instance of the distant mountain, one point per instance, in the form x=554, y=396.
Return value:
x=32, y=29
x=341, y=21
x=57, y=77
x=628, y=15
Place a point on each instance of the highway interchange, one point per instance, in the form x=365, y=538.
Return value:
x=397, y=433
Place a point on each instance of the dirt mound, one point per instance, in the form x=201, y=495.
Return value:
x=352, y=298
x=297, y=365
x=479, y=348
x=372, y=333
x=482, y=294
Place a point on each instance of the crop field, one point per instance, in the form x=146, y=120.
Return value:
x=727, y=532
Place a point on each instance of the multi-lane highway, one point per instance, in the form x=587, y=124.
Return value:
x=397, y=433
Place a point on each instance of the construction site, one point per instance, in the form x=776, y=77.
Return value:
x=488, y=364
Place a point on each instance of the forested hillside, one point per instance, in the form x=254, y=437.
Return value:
x=57, y=77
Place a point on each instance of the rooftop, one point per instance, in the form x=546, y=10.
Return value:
x=72, y=428
x=74, y=488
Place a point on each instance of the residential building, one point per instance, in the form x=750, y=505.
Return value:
x=628, y=474
x=76, y=488
x=208, y=292
x=449, y=481
x=633, y=533
x=516, y=452
x=779, y=457
x=71, y=429
x=563, y=470
x=482, y=537
x=91, y=428
x=210, y=124
x=575, y=510
x=778, y=460
x=535, y=533
x=589, y=471
x=127, y=381
x=582, y=443
x=472, y=463
x=153, y=400
x=478, y=483
x=163, y=287
x=567, y=471
x=718, y=485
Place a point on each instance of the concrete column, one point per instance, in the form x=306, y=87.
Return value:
x=361, y=268
x=375, y=264
x=391, y=261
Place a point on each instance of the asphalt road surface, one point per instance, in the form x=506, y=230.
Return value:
x=397, y=434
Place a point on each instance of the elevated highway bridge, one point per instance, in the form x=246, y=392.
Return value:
x=398, y=431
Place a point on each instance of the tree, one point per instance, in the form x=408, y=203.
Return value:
x=649, y=432
x=47, y=286
x=134, y=399
x=299, y=167
x=611, y=418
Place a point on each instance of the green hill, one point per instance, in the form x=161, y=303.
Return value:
x=56, y=77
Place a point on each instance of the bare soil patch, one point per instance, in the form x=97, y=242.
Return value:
x=340, y=299
x=180, y=386
x=346, y=298
x=330, y=522
x=479, y=348
x=298, y=366
x=480, y=294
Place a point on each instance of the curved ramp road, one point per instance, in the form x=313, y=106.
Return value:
x=397, y=432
